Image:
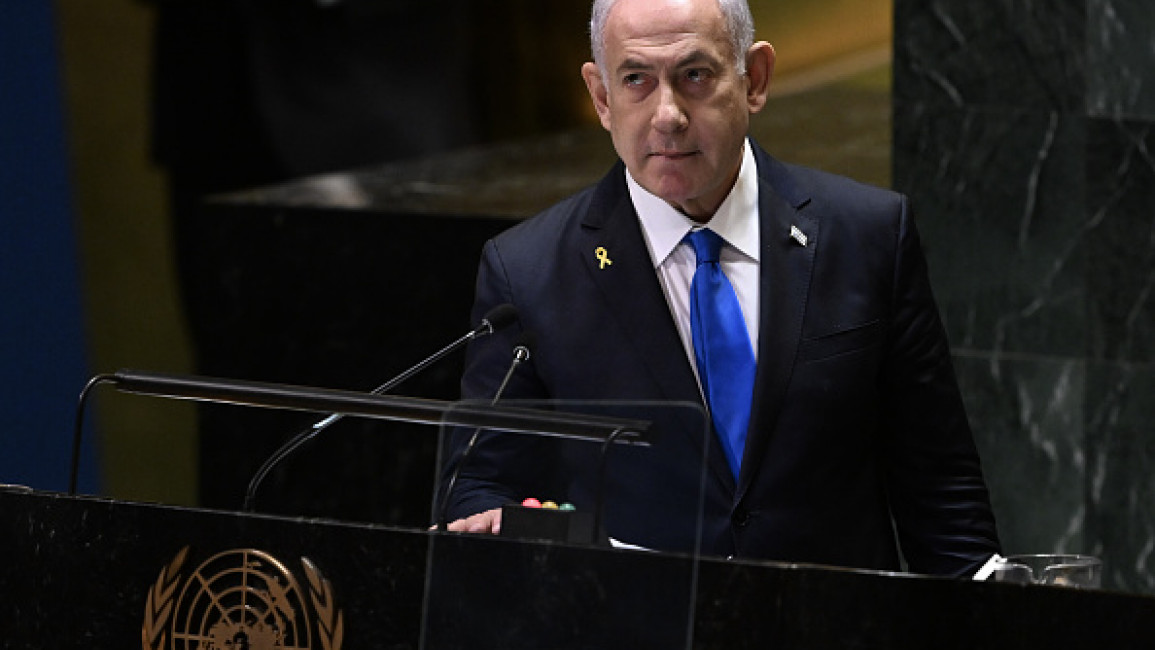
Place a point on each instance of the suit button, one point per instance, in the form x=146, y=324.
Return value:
x=740, y=517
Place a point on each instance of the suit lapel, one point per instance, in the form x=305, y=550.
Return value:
x=787, y=260
x=634, y=297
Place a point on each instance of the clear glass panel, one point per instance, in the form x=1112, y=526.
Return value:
x=622, y=563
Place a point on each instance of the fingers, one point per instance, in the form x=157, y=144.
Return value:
x=482, y=522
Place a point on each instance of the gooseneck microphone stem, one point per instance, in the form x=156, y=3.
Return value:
x=317, y=427
x=494, y=320
x=520, y=355
x=481, y=330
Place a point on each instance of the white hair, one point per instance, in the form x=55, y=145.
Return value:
x=736, y=14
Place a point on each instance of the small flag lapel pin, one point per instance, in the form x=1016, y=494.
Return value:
x=798, y=236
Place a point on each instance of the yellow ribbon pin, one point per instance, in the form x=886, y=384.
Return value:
x=603, y=257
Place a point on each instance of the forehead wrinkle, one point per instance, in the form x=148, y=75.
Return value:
x=635, y=61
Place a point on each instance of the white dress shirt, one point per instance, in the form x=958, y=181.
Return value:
x=736, y=221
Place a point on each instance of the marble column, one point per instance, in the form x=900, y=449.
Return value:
x=1023, y=131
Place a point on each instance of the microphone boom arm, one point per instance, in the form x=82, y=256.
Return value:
x=317, y=427
x=495, y=319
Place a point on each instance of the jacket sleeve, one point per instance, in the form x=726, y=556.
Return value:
x=502, y=467
x=934, y=480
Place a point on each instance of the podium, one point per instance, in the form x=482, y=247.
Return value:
x=85, y=572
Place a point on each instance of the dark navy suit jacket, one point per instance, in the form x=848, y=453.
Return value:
x=858, y=441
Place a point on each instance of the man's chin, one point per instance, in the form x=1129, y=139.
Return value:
x=683, y=197
x=686, y=203
x=676, y=193
x=670, y=187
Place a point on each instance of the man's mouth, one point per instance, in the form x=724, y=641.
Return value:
x=672, y=154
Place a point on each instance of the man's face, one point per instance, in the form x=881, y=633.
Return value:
x=672, y=99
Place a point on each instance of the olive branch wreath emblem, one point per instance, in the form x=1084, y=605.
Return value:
x=160, y=605
x=330, y=621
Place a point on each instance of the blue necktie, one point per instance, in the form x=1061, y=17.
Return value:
x=722, y=347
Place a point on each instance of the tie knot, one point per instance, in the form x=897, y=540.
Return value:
x=707, y=245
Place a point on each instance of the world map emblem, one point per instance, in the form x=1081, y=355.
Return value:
x=241, y=599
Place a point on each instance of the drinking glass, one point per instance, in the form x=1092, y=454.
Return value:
x=1058, y=569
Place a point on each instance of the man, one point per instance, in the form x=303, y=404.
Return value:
x=855, y=436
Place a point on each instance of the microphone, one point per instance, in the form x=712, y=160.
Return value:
x=495, y=319
x=521, y=354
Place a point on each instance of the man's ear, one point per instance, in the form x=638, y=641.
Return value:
x=759, y=70
x=598, y=92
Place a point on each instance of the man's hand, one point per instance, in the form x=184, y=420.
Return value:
x=483, y=522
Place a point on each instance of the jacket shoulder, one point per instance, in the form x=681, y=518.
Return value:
x=824, y=193
x=841, y=195
x=591, y=205
x=557, y=218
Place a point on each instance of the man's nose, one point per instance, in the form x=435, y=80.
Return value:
x=669, y=116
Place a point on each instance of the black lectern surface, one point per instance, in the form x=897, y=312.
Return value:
x=94, y=573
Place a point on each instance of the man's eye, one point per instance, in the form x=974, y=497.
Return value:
x=696, y=75
x=634, y=79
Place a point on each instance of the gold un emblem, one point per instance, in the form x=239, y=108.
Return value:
x=240, y=599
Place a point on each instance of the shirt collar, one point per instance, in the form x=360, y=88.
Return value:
x=736, y=220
